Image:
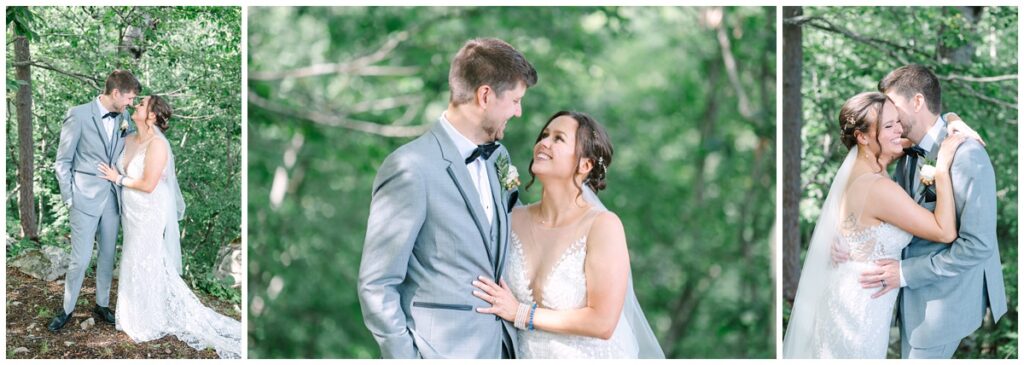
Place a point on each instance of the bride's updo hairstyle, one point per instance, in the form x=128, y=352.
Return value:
x=163, y=111
x=592, y=143
x=858, y=114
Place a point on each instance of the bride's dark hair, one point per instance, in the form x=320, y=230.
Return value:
x=159, y=106
x=592, y=143
x=859, y=114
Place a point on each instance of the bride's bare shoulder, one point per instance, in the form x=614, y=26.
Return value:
x=607, y=224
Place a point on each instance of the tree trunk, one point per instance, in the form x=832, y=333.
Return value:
x=26, y=146
x=960, y=54
x=792, y=71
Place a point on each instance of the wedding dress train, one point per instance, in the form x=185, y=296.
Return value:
x=152, y=300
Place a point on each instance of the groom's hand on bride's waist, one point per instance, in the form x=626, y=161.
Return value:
x=839, y=252
x=885, y=275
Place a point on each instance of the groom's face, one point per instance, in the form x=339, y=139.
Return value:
x=122, y=100
x=500, y=109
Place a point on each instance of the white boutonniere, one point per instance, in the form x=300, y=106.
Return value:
x=508, y=175
x=124, y=125
x=927, y=173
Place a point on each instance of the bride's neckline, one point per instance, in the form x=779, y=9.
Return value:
x=140, y=147
x=533, y=216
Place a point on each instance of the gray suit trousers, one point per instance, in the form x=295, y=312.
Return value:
x=85, y=229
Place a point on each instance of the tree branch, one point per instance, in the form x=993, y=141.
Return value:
x=94, y=81
x=195, y=117
x=985, y=98
x=733, y=73
x=823, y=24
x=953, y=77
x=338, y=120
x=359, y=66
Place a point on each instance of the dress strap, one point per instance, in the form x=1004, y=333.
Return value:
x=857, y=189
x=588, y=222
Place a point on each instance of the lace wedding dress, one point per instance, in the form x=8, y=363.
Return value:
x=850, y=324
x=564, y=287
x=152, y=300
x=855, y=326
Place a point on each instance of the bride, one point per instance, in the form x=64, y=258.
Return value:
x=869, y=217
x=152, y=299
x=569, y=290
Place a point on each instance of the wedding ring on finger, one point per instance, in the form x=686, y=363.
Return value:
x=883, y=284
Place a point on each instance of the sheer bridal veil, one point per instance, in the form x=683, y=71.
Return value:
x=817, y=268
x=646, y=344
x=174, y=206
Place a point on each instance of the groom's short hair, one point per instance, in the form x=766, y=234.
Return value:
x=123, y=81
x=913, y=79
x=487, y=61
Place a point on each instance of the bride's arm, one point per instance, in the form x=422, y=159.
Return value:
x=607, y=272
x=904, y=213
x=156, y=159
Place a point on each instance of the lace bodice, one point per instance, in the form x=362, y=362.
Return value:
x=568, y=291
x=564, y=288
x=881, y=241
x=152, y=299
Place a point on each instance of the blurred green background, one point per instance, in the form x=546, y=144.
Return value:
x=687, y=95
x=191, y=55
x=973, y=50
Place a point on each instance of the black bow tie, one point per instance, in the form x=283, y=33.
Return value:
x=111, y=115
x=915, y=151
x=484, y=150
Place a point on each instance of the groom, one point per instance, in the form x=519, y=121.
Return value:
x=439, y=218
x=946, y=286
x=93, y=133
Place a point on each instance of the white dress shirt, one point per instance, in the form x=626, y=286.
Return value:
x=927, y=143
x=477, y=168
x=108, y=123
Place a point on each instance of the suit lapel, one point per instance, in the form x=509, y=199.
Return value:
x=932, y=155
x=118, y=144
x=500, y=212
x=460, y=176
x=97, y=121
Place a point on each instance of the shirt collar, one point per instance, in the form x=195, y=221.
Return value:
x=103, y=111
x=462, y=144
x=928, y=141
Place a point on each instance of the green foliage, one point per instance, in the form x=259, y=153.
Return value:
x=191, y=55
x=20, y=18
x=692, y=179
x=836, y=67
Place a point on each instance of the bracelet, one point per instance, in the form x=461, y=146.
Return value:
x=532, y=311
x=120, y=180
x=521, y=313
x=126, y=180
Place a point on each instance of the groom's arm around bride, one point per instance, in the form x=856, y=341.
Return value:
x=976, y=243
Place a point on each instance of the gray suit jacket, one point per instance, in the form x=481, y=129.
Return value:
x=949, y=286
x=83, y=145
x=427, y=239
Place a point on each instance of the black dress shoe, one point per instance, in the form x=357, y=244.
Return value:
x=105, y=313
x=59, y=321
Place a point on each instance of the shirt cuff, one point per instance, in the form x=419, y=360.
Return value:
x=903, y=279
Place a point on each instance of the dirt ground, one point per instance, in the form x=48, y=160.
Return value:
x=31, y=304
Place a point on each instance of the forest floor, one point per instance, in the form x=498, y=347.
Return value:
x=32, y=304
